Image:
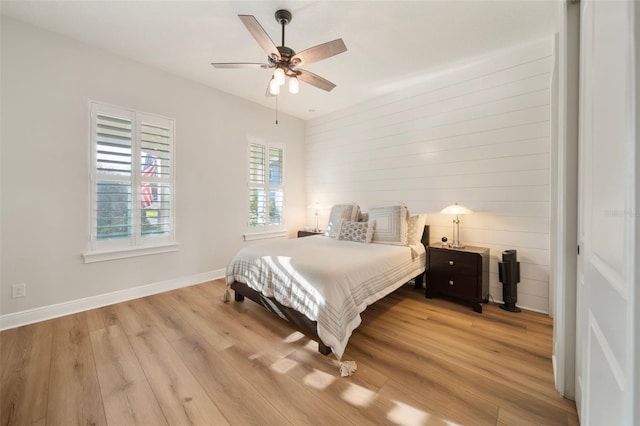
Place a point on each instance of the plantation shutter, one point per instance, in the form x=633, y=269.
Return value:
x=113, y=209
x=266, y=192
x=155, y=186
x=132, y=175
x=257, y=180
x=276, y=192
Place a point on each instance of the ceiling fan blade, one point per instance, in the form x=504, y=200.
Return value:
x=315, y=80
x=319, y=52
x=260, y=35
x=238, y=65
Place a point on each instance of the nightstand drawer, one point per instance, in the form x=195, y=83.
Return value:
x=455, y=283
x=450, y=260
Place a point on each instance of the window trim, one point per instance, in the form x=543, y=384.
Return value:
x=267, y=230
x=123, y=253
x=136, y=244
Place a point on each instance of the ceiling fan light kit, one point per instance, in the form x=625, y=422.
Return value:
x=284, y=59
x=274, y=86
x=294, y=85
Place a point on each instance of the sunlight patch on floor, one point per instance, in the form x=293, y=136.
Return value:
x=318, y=379
x=293, y=337
x=283, y=366
x=406, y=415
x=358, y=396
x=255, y=356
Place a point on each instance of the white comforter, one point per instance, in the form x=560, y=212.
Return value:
x=329, y=281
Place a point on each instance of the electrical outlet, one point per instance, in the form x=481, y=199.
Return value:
x=18, y=290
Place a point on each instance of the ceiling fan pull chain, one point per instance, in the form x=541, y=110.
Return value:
x=276, y=110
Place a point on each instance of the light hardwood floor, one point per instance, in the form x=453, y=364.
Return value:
x=185, y=357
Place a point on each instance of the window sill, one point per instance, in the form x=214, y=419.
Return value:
x=104, y=255
x=265, y=235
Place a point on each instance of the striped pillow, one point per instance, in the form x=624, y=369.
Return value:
x=391, y=224
x=340, y=212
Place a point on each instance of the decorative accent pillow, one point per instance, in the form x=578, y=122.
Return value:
x=340, y=212
x=391, y=224
x=363, y=217
x=415, y=228
x=360, y=232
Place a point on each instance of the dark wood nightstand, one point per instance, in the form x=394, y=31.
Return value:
x=459, y=273
x=308, y=233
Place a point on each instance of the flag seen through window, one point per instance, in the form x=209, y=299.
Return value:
x=132, y=205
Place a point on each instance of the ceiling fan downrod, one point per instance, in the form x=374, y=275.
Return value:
x=283, y=17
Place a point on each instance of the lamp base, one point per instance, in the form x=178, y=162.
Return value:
x=456, y=245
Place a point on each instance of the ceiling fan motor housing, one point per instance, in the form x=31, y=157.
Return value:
x=283, y=17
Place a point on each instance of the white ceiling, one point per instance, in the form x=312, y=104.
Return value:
x=390, y=43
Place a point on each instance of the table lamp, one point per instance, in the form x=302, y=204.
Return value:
x=316, y=206
x=456, y=209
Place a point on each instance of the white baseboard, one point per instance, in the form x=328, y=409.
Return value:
x=30, y=316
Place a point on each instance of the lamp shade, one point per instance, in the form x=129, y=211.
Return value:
x=456, y=209
x=315, y=205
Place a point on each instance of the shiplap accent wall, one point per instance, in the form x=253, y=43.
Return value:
x=477, y=135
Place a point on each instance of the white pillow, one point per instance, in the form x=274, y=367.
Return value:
x=340, y=212
x=415, y=229
x=391, y=224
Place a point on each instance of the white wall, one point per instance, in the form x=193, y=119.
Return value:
x=477, y=135
x=47, y=83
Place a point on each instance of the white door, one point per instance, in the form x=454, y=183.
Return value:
x=607, y=308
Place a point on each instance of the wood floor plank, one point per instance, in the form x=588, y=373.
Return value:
x=194, y=315
x=357, y=402
x=227, y=387
x=541, y=395
x=406, y=407
x=181, y=397
x=450, y=398
x=74, y=391
x=127, y=396
x=8, y=340
x=183, y=400
x=24, y=384
x=232, y=320
x=101, y=318
x=293, y=399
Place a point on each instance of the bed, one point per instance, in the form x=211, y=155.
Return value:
x=322, y=284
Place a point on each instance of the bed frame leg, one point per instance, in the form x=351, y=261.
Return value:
x=323, y=349
x=238, y=297
x=417, y=281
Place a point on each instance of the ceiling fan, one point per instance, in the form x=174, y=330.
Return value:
x=284, y=59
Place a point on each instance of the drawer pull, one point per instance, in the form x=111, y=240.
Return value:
x=451, y=262
x=450, y=282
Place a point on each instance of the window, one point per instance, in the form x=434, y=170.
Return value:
x=266, y=188
x=131, y=180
